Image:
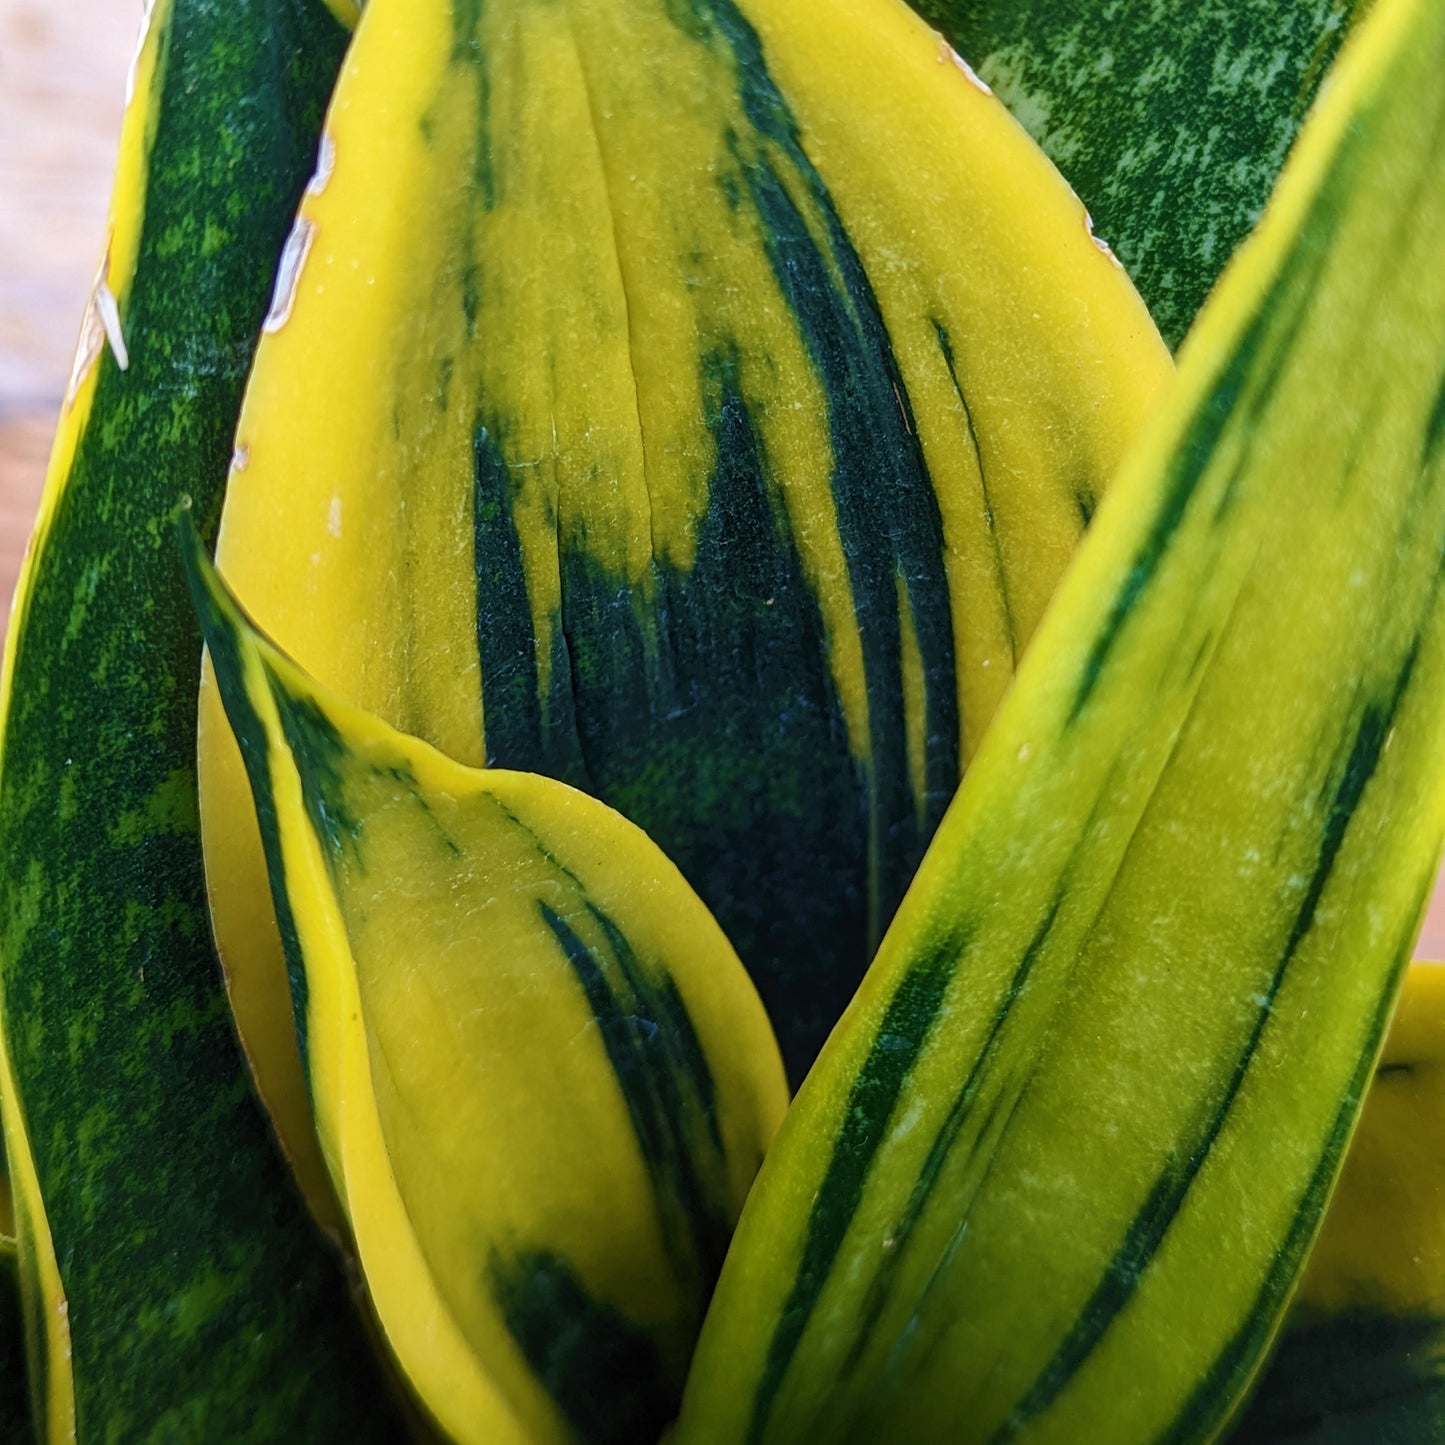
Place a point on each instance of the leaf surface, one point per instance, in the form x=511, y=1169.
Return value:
x=1170, y=119
x=1054, y=1174
x=542, y=1080
x=1361, y=1360
x=174, y=1287
x=652, y=411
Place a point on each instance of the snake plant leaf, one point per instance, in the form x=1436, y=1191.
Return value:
x=540, y=1074
x=174, y=1287
x=1053, y=1176
x=1362, y=1358
x=656, y=404
x=1356, y=1380
x=1170, y=119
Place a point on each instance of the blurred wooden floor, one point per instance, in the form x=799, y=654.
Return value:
x=62, y=82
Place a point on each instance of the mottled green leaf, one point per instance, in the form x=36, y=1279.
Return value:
x=1170, y=118
x=175, y=1288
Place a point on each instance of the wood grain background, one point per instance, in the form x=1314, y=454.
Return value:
x=62, y=82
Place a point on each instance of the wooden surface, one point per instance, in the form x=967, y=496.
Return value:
x=62, y=83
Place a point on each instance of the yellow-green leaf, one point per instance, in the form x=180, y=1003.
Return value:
x=1361, y=1360
x=1054, y=1174
x=695, y=402
x=542, y=1080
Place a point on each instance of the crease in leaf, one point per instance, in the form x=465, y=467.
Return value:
x=1123, y=1023
x=653, y=415
x=517, y=1021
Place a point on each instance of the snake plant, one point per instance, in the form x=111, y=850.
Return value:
x=795, y=835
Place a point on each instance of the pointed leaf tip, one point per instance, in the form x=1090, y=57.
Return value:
x=541, y=1079
x=1122, y=1024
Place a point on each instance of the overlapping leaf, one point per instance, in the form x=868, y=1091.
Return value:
x=174, y=1288
x=644, y=410
x=1096, y=1087
x=1362, y=1359
x=1171, y=119
x=542, y=1080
